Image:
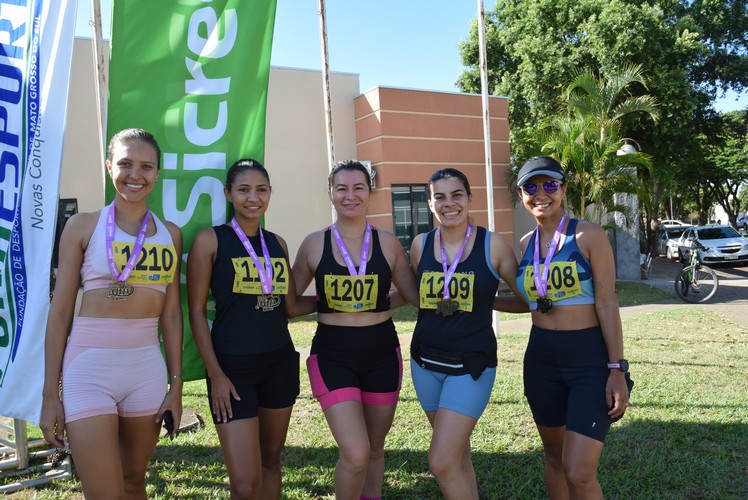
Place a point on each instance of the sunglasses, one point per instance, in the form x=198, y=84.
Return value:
x=549, y=187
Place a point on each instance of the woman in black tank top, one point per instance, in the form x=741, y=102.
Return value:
x=352, y=265
x=250, y=361
x=453, y=351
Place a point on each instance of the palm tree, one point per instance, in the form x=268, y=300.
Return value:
x=607, y=100
x=595, y=172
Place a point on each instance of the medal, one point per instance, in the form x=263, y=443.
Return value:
x=267, y=301
x=541, y=279
x=447, y=306
x=544, y=304
x=120, y=289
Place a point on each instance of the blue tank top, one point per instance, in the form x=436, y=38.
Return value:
x=570, y=279
x=473, y=285
x=338, y=291
x=239, y=327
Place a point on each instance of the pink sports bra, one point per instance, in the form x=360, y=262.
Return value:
x=155, y=268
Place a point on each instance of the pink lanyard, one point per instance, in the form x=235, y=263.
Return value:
x=266, y=275
x=541, y=281
x=139, y=240
x=347, y=256
x=448, y=273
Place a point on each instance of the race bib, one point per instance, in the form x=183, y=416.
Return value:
x=351, y=293
x=563, y=281
x=431, y=290
x=247, y=279
x=155, y=266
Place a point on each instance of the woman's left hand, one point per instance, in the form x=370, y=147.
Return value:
x=172, y=401
x=616, y=394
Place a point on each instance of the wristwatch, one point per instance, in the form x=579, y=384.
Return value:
x=621, y=364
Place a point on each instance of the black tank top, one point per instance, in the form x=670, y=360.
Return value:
x=338, y=291
x=240, y=328
x=473, y=285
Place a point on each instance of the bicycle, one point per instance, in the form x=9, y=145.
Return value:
x=696, y=282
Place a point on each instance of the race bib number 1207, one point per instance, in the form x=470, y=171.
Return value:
x=351, y=293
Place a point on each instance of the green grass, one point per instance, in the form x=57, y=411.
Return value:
x=685, y=435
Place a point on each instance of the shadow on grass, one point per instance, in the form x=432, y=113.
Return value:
x=642, y=459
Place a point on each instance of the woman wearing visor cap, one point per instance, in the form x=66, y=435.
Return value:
x=576, y=378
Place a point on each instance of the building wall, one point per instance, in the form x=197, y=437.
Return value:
x=406, y=134
x=296, y=148
x=83, y=155
x=409, y=134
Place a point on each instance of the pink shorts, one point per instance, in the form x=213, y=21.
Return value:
x=113, y=366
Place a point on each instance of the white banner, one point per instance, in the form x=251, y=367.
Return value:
x=36, y=44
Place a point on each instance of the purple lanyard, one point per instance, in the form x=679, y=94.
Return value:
x=110, y=228
x=266, y=276
x=347, y=256
x=541, y=281
x=448, y=273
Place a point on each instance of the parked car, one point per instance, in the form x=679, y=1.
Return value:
x=722, y=244
x=667, y=241
x=672, y=222
x=742, y=222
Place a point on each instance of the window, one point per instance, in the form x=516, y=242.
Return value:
x=410, y=212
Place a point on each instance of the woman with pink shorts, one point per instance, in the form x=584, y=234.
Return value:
x=108, y=358
x=355, y=367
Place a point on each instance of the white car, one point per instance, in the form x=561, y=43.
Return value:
x=742, y=222
x=667, y=241
x=672, y=222
x=722, y=244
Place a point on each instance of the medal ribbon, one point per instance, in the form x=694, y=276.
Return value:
x=541, y=281
x=347, y=256
x=266, y=275
x=448, y=273
x=139, y=240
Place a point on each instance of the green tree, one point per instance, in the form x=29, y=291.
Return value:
x=586, y=140
x=727, y=156
x=691, y=50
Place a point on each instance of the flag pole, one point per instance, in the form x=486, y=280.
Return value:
x=326, y=83
x=486, y=113
x=102, y=92
x=486, y=130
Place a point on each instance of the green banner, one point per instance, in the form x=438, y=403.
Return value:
x=194, y=73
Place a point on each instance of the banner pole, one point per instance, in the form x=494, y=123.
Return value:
x=326, y=83
x=101, y=83
x=486, y=113
x=486, y=129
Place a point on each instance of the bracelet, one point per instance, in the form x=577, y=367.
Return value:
x=176, y=377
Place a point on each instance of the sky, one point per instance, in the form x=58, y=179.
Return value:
x=417, y=48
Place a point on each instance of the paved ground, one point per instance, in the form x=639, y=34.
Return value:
x=731, y=300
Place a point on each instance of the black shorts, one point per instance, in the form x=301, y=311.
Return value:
x=356, y=364
x=565, y=374
x=265, y=380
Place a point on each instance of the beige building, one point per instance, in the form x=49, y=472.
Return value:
x=405, y=134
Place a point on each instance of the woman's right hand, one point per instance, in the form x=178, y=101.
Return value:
x=52, y=422
x=222, y=390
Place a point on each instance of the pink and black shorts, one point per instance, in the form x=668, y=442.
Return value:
x=356, y=364
x=113, y=366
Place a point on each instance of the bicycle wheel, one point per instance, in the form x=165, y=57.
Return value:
x=696, y=284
